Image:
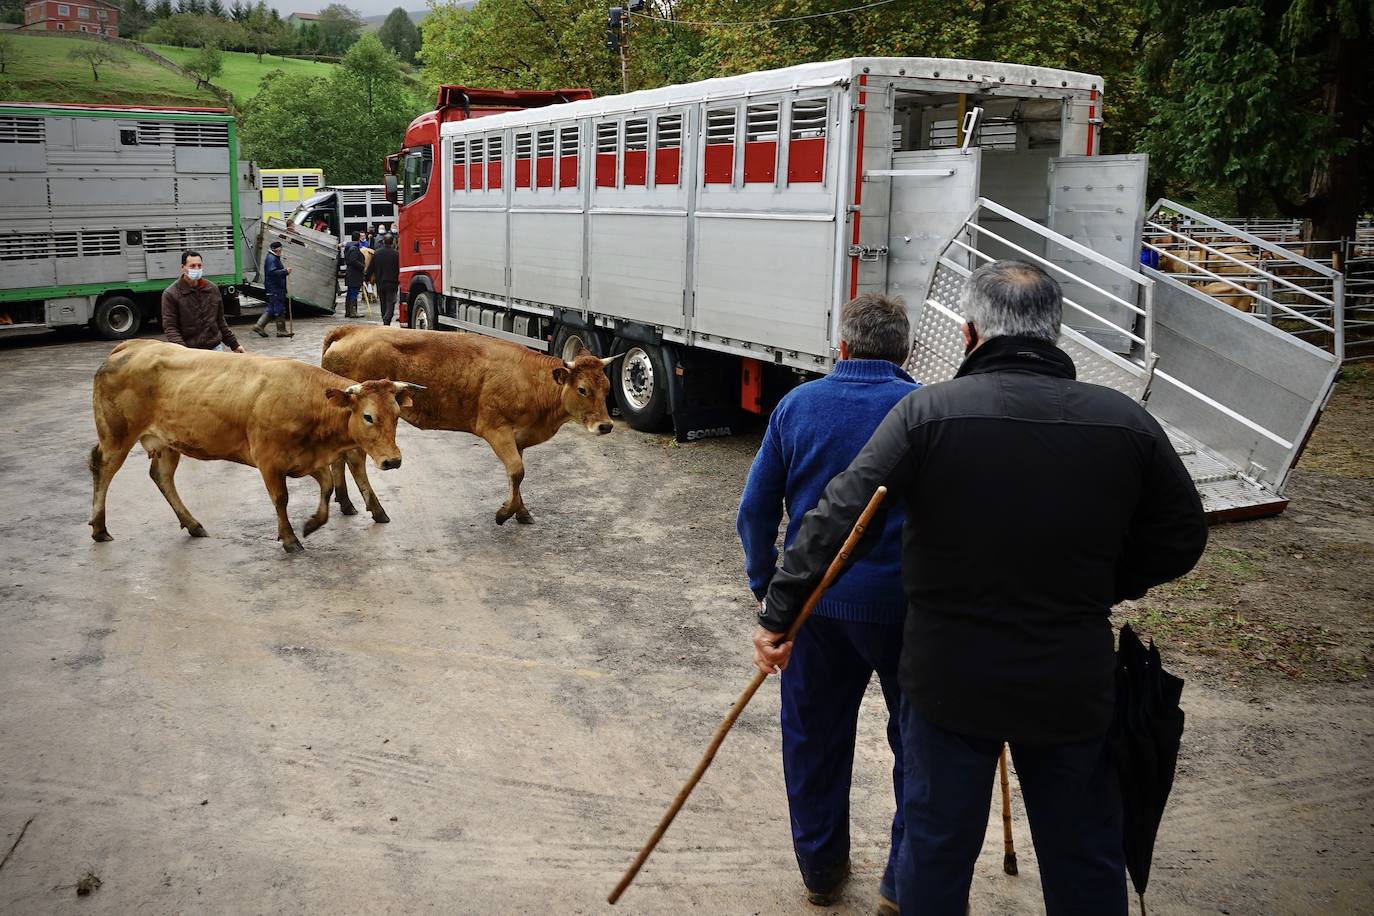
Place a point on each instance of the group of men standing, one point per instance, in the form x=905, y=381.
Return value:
x=1022, y=505
x=193, y=307
x=380, y=264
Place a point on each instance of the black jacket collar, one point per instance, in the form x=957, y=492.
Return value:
x=1024, y=353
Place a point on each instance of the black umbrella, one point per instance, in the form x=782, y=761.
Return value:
x=1145, y=741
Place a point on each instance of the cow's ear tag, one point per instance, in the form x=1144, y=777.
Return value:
x=561, y=375
x=337, y=397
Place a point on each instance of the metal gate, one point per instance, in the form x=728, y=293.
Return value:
x=932, y=194
x=1099, y=202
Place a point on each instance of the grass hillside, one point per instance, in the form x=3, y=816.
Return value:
x=43, y=72
x=242, y=73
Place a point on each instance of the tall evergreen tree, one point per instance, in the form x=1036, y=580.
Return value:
x=162, y=9
x=400, y=35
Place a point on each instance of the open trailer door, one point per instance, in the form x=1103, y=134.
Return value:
x=933, y=192
x=1099, y=202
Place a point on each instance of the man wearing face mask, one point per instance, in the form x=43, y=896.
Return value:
x=1034, y=503
x=193, y=310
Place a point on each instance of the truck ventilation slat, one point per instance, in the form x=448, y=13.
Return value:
x=22, y=130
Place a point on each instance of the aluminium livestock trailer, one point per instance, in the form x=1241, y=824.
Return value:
x=99, y=203
x=711, y=232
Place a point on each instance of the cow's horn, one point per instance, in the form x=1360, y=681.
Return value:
x=610, y=359
x=408, y=386
x=354, y=390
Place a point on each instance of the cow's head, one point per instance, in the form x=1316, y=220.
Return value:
x=373, y=408
x=583, y=387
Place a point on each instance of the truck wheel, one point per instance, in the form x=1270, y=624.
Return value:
x=568, y=341
x=117, y=318
x=640, y=384
x=423, y=316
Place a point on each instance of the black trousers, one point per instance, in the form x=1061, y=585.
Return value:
x=386, y=292
x=1073, y=803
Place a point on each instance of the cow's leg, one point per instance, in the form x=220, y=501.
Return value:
x=276, y=488
x=105, y=460
x=341, y=488
x=325, y=478
x=503, y=444
x=163, y=469
x=357, y=463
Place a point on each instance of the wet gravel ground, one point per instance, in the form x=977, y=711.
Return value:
x=440, y=715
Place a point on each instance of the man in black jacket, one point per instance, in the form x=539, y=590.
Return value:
x=385, y=271
x=355, y=262
x=1034, y=503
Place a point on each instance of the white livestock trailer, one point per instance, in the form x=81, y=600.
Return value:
x=712, y=231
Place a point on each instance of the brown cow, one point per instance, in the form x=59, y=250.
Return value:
x=284, y=417
x=499, y=390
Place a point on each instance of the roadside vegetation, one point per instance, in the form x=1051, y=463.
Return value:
x=42, y=69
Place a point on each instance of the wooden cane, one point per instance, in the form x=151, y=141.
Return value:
x=290, y=325
x=831, y=574
x=1008, y=847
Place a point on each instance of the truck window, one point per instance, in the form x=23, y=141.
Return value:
x=719, y=167
x=460, y=165
x=569, y=139
x=415, y=175
x=761, y=143
x=636, y=159
x=607, y=140
x=806, y=141
x=524, y=158
x=543, y=163
x=668, y=149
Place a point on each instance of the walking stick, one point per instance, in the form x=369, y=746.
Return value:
x=1008, y=847
x=290, y=325
x=831, y=574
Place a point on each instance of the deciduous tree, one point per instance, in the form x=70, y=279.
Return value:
x=97, y=54
x=9, y=51
x=206, y=64
x=339, y=27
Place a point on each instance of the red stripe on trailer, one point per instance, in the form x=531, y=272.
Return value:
x=858, y=189
x=1092, y=113
x=522, y=173
x=719, y=167
x=543, y=172
x=605, y=170
x=636, y=164
x=567, y=171
x=667, y=166
x=805, y=160
x=760, y=162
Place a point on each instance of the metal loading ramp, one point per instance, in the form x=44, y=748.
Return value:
x=1236, y=396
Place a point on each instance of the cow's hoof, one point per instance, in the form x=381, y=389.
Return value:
x=197, y=531
x=311, y=526
x=294, y=547
x=348, y=509
x=525, y=518
x=380, y=517
x=502, y=516
x=101, y=536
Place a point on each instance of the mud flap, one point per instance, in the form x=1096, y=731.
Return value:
x=704, y=395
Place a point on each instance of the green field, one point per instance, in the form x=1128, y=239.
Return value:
x=242, y=73
x=43, y=72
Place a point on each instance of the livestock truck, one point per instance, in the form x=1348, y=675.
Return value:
x=344, y=209
x=99, y=203
x=710, y=233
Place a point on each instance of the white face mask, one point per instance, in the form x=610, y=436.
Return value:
x=194, y=273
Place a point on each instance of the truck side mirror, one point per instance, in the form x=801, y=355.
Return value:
x=390, y=181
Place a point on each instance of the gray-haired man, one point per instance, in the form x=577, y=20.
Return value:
x=1034, y=503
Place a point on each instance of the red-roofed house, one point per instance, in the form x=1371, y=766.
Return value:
x=94, y=16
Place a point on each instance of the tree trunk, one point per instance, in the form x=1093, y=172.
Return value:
x=95, y=74
x=1337, y=182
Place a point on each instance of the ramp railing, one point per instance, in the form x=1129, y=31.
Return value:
x=938, y=348
x=1266, y=278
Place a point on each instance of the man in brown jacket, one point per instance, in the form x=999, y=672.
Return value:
x=193, y=310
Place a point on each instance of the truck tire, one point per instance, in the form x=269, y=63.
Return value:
x=423, y=315
x=639, y=382
x=117, y=318
x=568, y=339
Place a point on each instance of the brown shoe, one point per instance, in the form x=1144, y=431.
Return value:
x=887, y=906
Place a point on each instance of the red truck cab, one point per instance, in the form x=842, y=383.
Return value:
x=413, y=185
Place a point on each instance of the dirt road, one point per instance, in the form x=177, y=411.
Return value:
x=440, y=715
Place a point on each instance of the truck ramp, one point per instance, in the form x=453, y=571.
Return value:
x=1236, y=396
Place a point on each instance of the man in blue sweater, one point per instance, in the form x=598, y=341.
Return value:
x=813, y=434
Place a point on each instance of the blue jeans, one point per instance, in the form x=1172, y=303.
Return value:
x=822, y=686
x=1073, y=801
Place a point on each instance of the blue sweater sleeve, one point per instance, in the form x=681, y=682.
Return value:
x=760, y=511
